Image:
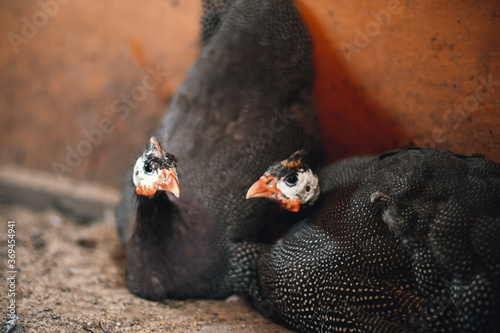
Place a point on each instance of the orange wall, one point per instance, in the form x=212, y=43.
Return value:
x=392, y=73
x=388, y=74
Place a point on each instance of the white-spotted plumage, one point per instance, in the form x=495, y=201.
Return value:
x=405, y=241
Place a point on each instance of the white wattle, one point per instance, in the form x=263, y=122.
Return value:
x=305, y=178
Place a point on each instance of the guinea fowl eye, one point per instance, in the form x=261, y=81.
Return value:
x=292, y=179
x=147, y=168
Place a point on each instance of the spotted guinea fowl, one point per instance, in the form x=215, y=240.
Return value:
x=445, y=209
x=246, y=102
x=341, y=269
x=344, y=269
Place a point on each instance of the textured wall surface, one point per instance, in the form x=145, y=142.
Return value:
x=395, y=72
x=83, y=84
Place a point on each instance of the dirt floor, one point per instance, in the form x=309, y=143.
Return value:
x=70, y=279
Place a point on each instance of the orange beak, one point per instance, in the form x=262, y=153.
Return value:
x=167, y=181
x=265, y=187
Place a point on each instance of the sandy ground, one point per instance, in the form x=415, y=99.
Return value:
x=70, y=279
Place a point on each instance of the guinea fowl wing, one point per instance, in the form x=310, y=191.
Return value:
x=445, y=209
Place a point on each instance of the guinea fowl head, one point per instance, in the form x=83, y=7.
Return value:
x=155, y=170
x=290, y=182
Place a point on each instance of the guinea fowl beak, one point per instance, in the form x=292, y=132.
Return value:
x=167, y=181
x=265, y=187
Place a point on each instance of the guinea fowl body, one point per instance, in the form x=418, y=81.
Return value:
x=407, y=241
x=246, y=102
x=444, y=208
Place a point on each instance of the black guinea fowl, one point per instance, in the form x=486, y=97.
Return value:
x=407, y=241
x=246, y=102
x=445, y=209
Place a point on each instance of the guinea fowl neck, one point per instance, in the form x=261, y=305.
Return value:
x=153, y=214
x=174, y=243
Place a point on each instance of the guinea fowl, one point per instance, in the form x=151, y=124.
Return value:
x=445, y=209
x=246, y=102
x=404, y=241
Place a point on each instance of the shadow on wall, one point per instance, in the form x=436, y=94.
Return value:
x=393, y=73
x=351, y=121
